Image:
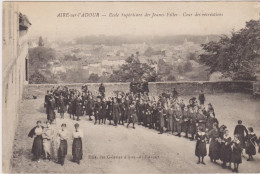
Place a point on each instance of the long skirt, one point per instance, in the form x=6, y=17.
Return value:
x=62, y=152
x=52, y=115
x=214, y=149
x=236, y=157
x=132, y=118
x=225, y=153
x=170, y=124
x=185, y=126
x=77, y=149
x=250, y=148
x=178, y=126
x=37, y=148
x=241, y=138
x=192, y=128
x=200, y=150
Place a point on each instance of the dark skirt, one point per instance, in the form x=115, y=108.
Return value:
x=250, y=148
x=62, y=152
x=192, y=128
x=236, y=157
x=133, y=118
x=37, y=148
x=214, y=149
x=52, y=115
x=200, y=150
x=77, y=149
x=225, y=153
x=79, y=111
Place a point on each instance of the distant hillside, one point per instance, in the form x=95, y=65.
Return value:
x=130, y=39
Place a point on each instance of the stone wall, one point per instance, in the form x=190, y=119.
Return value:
x=184, y=88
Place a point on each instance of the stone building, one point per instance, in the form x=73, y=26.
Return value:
x=14, y=73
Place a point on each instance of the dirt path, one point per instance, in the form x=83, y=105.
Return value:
x=109, y=149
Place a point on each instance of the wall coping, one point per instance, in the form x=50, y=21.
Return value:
x=124, y=83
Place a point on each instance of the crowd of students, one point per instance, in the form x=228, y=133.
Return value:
x=165, y=113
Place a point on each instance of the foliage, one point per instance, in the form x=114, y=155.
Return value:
x=236, y=56
x=38, y=60
x=40, y=42
x=171, y=78
x=37, y=78
x=93, y=78
x=134, y=70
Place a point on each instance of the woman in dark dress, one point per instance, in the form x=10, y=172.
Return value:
x=37, y=148
x=109, y=110
x=200, y=150
x=115, y=111
x=90, y=107
x=214, y=146
x=77, y=144
x=79, y=107
x=237, y=149
x=251, y=141
x=226, y=150
x=62, y=151
x=62, y=106
x=193, y=121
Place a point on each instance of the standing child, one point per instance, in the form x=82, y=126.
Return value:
x=200, y=150
x=236, y=152
x=251, y=141
x=62, y=151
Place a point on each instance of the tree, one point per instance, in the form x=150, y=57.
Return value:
x=37, y=78
x=134, y=70
x=171, y=78
x=93, y=78
x=236, y=56
x=187, y=67
x=40, y=42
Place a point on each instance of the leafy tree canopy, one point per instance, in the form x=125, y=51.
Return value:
x=134, y=70
x=236, y=56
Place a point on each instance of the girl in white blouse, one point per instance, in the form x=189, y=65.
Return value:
x=62, y=152
x=77, y=136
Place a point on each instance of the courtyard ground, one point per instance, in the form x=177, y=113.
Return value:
x=109, y=149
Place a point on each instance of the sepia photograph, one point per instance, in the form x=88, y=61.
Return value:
x=130, y=87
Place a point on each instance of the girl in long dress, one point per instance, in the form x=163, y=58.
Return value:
x=214, y=146
x=132, y=115
x=237, y=149
x=63, y=148
x=77, y=144
x=200, y=150
x=226, y=150
x=251, y=141
x=47, y=138
x=37, y=148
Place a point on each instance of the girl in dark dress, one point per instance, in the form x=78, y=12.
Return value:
x=62, y=106
x=37, y=148
x=236, y=152
x=226, y=150
x=62, y=151
x=214, y=146
x=132, y=115
x=77, y=144
x=200, y=150
x=251, y=141
x=192, y=125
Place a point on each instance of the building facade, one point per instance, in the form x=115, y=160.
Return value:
x=14, y=74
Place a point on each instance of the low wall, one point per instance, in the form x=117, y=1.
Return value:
x=183, y=88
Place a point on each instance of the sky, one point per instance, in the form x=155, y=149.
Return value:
x=46, y=23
